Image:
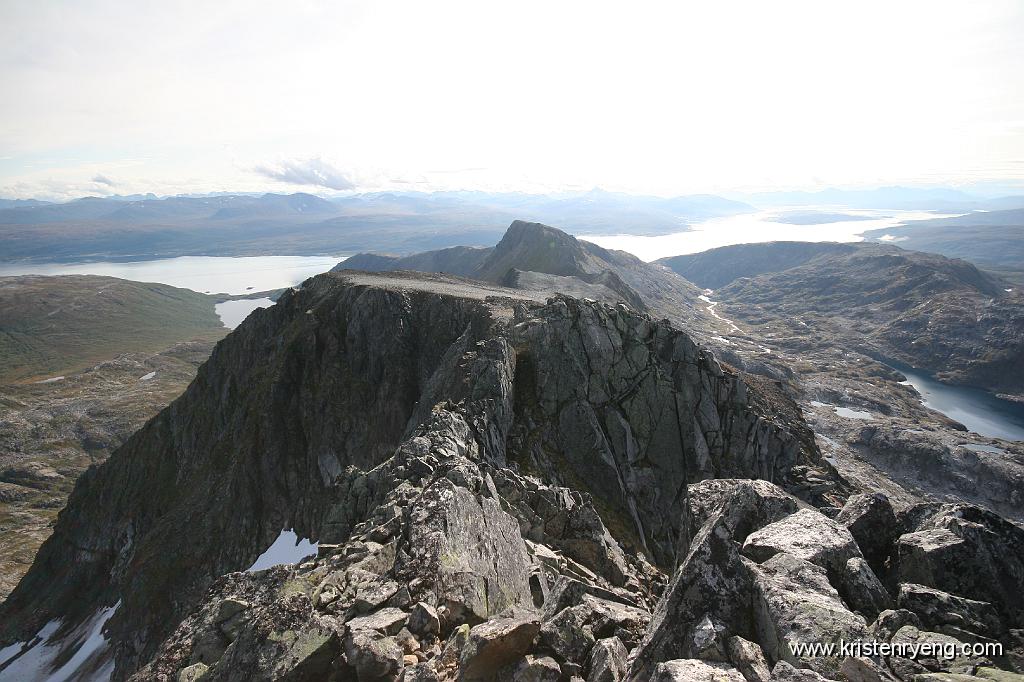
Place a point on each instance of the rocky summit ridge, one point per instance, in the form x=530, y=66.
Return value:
x=501, y=486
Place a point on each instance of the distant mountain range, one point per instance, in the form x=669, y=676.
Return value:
x=903, y=198
x=304, y=224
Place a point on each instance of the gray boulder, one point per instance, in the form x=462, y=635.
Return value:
x=808, y=535
x=872, y=522
x=495, y=644
x=794, y=604
x=693, y=670
x=936, y=608
x=710, y=581
x=890, y=621
x=531, y=669
x=607, y=661
x=568, y=635
x=862, y=590
x=966, y=551
x=423, y=619
x=785, y=672
x=372, y=655
x=749, y=659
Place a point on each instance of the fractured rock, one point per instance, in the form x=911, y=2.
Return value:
x=808, y=535
x=607, y=661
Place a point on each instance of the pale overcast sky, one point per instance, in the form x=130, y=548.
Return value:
x=674, y=97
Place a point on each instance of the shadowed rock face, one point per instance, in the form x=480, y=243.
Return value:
x=383, y=408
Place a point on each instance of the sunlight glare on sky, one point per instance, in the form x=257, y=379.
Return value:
x=675, y=97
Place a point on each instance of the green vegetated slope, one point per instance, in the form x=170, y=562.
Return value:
x=55, y=325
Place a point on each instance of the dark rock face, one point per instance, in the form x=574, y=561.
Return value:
x=502, y=489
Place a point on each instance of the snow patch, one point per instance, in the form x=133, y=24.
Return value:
x=51, y=380
x=147, y=377
x=84, y=649
x=711, y=309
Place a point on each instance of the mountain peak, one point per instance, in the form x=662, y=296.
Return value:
x=535, y=247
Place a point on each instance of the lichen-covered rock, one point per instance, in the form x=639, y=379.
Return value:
x=193, y=673
x=794, y=604
x=862, y=590
x=531, y=668
x=965, y=551
x=568, y=635
x=372, y=655
x=863, y=669
x=936, y=608
x=890, y=621
x=693, y=670
x=711, y=581
x=939, y=652
x=423, y=619
x=785, y=672
x=766, y=503
x=808, y=535
x=388, y=621
x=420, y=672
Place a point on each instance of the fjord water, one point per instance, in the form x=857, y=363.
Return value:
x=978, y=410
x=762, y=226
x=205, y=274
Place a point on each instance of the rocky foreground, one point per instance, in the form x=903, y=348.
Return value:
x=502, y=487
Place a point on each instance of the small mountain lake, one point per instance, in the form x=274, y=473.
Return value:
x=978, y=410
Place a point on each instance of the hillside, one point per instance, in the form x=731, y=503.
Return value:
x=990, y=239
x=57, y=325
x=717, y=267
x=926, y=310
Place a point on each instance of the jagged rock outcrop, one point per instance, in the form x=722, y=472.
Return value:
x=312, y=416
x=501, y=488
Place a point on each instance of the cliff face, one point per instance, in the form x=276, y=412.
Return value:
x=427, y=400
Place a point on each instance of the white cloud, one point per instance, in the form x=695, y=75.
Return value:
x=103, y=180
x=313, y=172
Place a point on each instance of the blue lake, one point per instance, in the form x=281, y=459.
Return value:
x=976, y=409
